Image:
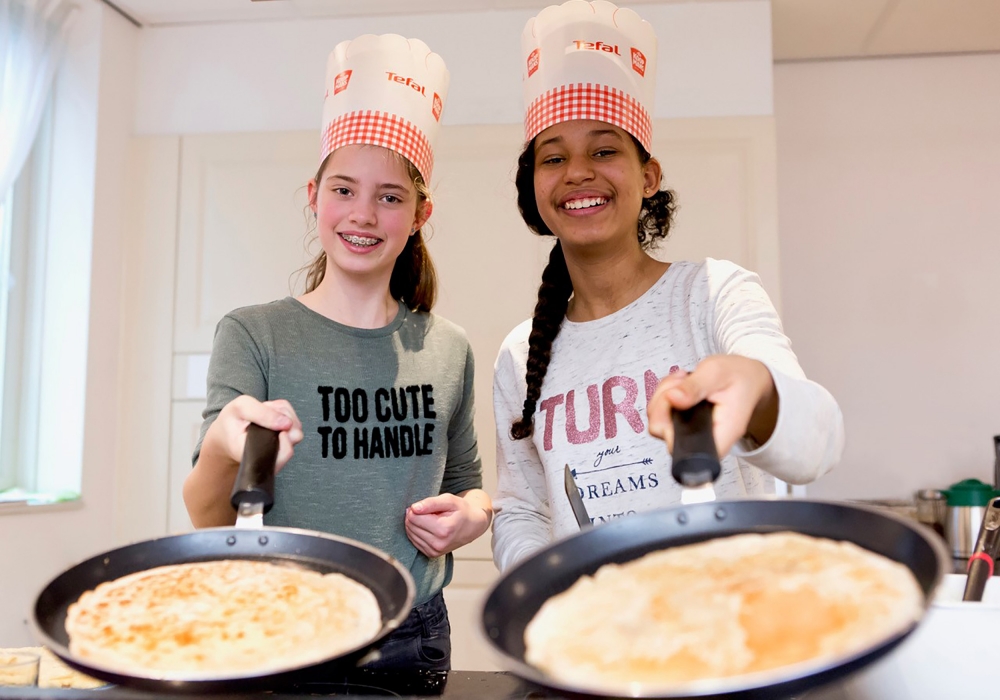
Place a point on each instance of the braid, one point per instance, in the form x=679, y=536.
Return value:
x=553, y=297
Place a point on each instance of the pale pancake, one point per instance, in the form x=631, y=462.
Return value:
x=731, y=606
x=220, y=618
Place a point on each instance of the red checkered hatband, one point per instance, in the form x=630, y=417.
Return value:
x=381, y=129
x=589, y=101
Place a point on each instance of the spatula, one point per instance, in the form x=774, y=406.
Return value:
x=575, y=502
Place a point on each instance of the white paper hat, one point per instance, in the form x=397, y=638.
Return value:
x=385, y=91
x=589, y=60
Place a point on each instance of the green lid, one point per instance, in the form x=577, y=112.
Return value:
x=970, y=492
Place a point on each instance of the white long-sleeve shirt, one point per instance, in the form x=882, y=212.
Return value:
x=591, y=413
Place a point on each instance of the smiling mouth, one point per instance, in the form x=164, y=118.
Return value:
x=585, y=203
x=363, y=241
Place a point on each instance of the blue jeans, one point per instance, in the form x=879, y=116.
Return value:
x=421, y=643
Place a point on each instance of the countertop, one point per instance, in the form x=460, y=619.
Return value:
x=447, y=686
x=468, y=685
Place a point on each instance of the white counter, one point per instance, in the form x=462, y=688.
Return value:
x=952, y=654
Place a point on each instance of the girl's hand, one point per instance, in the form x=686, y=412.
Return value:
x=442, y=524
x=208, y=485
x=229, y=431
x=746, y=403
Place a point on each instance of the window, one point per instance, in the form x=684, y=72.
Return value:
x=22, y=284
x=48, y=141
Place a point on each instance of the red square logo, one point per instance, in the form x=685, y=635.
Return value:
x=638, y=62
x=341, y=81
x=532, y=62
x=436, y=106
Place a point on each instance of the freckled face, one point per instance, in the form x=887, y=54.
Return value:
x=589, y=181
x=366, y=209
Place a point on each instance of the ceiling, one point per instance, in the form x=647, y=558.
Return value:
x=814, y=29
x=802, y=29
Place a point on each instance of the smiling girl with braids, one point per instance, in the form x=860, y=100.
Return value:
x=618, y=339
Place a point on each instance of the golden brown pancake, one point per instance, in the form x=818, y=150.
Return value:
x=220, y=618
x=718, y=609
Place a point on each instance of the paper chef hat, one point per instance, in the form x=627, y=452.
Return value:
x=589, y=60
x=385, y=91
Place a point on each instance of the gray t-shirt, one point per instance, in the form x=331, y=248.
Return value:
x=387, y=415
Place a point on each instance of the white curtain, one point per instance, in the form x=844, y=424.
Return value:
x=32, y=37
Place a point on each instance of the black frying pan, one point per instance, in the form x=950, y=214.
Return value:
x=387, y=578
x=520, y=592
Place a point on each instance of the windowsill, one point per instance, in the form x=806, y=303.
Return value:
x=37, y=503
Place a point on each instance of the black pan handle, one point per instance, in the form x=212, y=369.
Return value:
x=255, y=479
x=695, y=457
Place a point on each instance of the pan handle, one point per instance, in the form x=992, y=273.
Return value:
x=981, y=562
x=255, y=479
x=695, y=457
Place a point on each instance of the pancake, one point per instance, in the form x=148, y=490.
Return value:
x=220, y=618
x=731, y=606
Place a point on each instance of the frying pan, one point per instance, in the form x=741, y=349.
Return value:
x=516, y=597
x=387, y=578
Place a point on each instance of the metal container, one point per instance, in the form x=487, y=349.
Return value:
x=961, y=529
x=932, y=509
x=967, y=502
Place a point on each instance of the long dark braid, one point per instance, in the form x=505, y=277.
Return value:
x=553, y=298
x=653, y=226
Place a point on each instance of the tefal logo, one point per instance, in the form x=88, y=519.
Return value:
x=596, y=46
x=436, y=106
x=532, y=62
x=341, y=81
x=639, y=62
x=396, y=78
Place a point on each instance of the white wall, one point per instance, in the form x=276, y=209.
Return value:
x=888, y=182
x=714, y=60
x=93, y=108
